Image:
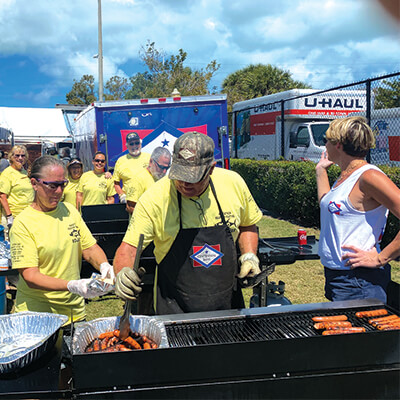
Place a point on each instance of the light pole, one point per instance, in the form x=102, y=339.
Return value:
x=100, y=55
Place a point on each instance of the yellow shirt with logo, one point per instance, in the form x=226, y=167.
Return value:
x=59, y=257
x=17, y=186
x=128, y=166
x=69, y=194
x=136, y=187
x=156, y=214
x=95, y=188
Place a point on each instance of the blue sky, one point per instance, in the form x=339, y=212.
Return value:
x=46, y=44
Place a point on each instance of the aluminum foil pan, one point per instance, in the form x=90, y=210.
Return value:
x=85, y=332
x=25, y=336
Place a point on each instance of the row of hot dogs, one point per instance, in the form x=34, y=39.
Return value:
x=339, y=324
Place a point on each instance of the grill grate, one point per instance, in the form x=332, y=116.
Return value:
x=254, y=328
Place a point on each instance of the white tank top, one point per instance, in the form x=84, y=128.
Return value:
x=342, y=224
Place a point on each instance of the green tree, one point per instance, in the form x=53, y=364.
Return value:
x=165, y=73
x=82, y=92
x=258, y=80
x=387, y=96
x=116, y=88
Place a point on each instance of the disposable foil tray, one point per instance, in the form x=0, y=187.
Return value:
x=85, y=332
x=25, y=337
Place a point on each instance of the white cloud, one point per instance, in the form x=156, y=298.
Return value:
x=320, y=42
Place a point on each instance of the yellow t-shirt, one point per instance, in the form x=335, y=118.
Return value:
x=156, y=214
x=17, y=186
x=59, y=257
x=95, y=188
x=136, y=187
x=128, y=166
x=69, y=194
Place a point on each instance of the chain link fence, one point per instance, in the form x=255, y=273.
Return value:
x=292, y=124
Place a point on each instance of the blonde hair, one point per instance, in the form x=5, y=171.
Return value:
x=353, y=133
x=15, y=148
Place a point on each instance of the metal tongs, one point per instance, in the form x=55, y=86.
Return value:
x=256, y=279
x=124, y=323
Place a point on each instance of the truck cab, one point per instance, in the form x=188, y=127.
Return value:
x=307, y=141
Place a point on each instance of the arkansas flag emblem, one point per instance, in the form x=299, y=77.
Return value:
x=206, y=255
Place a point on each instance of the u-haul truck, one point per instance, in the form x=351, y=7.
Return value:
x=257, y=130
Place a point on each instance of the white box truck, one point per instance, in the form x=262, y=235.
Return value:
x=257, y=129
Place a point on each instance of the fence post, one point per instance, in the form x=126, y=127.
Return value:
x=283, y=128
x=368, y=111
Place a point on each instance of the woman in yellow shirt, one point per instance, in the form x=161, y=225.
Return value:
x=75, y=171
x=48, y=240
x=16, y=191
x=94, y=187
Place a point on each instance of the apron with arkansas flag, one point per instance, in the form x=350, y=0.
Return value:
x=198, y=272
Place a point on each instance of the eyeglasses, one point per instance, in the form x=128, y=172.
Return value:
x=53, y=185
x=162, y=167
x=199, y=206
x=99, y=161
x=20, y=155
x=134, y=143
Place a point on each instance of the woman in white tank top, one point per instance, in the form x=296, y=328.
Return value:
x=353, y=215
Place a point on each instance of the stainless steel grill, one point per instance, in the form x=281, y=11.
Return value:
x=272, y=352
x=250, y=329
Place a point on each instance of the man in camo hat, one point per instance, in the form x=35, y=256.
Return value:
x=194, y=216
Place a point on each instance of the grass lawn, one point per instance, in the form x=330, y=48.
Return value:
x=304, y=280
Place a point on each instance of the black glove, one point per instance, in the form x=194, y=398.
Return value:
x=127, y=283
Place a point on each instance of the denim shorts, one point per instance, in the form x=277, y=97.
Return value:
x=357, y=283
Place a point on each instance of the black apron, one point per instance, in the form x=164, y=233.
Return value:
x=198, y=273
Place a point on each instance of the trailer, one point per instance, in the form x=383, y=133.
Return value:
x=103, y=126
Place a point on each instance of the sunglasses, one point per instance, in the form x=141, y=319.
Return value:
x=53, y=185
x=99, y=161
x=20, y=155
x=324, y=139
x=133, y=143
x=162, y=167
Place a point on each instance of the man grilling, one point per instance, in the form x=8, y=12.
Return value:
x=195, y=216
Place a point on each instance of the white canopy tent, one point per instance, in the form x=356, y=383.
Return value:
x=30, y=125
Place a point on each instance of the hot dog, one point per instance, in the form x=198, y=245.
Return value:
x=330, y=318
x=332, y=324
x=353, y=329
x=106, y=335
x=383, y=319
x=132, y=342
x=390, y=328
x=372, y=313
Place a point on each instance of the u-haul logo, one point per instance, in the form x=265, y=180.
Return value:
x=326, y=102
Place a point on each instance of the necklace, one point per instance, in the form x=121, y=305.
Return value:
x=349, y=170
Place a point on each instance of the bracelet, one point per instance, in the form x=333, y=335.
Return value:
x=10, y=215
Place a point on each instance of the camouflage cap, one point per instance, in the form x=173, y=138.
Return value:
x=193, y=154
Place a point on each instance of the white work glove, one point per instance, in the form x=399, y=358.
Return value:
x=81, y=288
x=107, y=271
x=10, y=221
x=127, y=283
x=122, y=198
x=249, y=265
